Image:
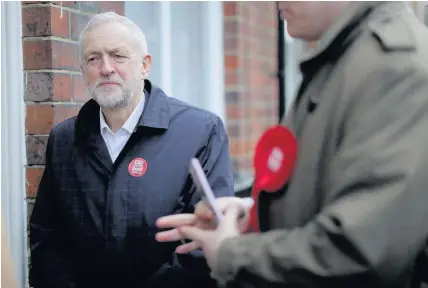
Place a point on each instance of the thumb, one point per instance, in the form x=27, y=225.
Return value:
x=193, y=233
x=230, y=218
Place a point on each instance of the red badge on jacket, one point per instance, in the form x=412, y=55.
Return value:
x=137, y=167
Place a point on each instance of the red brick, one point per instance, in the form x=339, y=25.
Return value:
x=42, y=117
x=230, y=27
x=35, y=21
x=232, y=97
x=231, y=62
x=230, y=43
x=231, y=79
x=44, y=21
x=257, y=79
x=80, y=92
x=241, y=147
x=60, y=22
x=229, y=8
x=39, y=119
x=36, y=149
x=63, y=112
x=45, y=86
x=61, y=87
x=65, y=55
x=38, y=87
x=37, y=54
x=234, y=130
x=47, y=54
x=33, y=177
x=234, y=112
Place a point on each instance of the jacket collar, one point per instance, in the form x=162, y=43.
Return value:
x=155, y=114
x=337, y=39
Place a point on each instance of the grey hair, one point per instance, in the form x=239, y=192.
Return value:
x=109, y=17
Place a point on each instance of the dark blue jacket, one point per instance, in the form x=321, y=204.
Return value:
x=93, y=223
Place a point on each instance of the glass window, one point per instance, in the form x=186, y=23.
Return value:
x=184, y=49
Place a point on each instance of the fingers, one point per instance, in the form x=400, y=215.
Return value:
x=188, y=247
x=230, y=220
x=193, y=233
x=176, y=220
x=231, y=214
x=204, y=211
x=174, y=235
x=168, y=236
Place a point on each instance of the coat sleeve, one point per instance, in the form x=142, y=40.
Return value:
x=191, y=270
x=374, y=222
x=49, y=264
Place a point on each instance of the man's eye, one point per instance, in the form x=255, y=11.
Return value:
x=120, y=58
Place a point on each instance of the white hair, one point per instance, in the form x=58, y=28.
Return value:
x=112, y=17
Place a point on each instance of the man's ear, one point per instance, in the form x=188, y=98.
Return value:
x=145, y=66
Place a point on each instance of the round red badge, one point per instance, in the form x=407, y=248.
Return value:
x=274, y=160
x=137, y=167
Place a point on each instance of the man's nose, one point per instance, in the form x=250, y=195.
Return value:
x=106, y=67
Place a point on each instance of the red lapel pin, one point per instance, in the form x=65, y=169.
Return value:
x=274, y=160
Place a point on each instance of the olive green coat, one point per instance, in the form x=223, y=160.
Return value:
x=355, y=211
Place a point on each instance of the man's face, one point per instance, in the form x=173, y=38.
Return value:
x=112, y=67
x=308, y=20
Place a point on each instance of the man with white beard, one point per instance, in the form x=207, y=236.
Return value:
x=119, y=165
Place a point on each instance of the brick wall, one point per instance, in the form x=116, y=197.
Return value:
x=54, y=88
x=250, y=47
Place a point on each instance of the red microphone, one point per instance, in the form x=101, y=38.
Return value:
x=274, y=160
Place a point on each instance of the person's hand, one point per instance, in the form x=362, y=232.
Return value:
x=211, y=240
x=203, y=218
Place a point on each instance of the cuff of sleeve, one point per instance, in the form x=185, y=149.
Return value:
x=233, y=254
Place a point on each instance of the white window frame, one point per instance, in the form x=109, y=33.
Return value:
x=213, y=43
x=13, y=155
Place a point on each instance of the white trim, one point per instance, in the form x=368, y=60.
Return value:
x=213, y=37
x=13, y=156
x=293, y=77
x=165, y=43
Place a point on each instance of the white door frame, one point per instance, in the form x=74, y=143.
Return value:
x=13, y=155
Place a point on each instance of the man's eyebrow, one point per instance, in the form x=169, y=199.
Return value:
x=89, y=52
x=112, y=50
x=118, y=49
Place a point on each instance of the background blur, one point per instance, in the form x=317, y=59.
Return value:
x=232, y=58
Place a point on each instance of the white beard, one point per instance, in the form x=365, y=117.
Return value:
x=109, y=97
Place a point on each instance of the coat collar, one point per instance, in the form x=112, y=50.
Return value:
x=155, y=115
x=347, y=27
x=337, y=39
